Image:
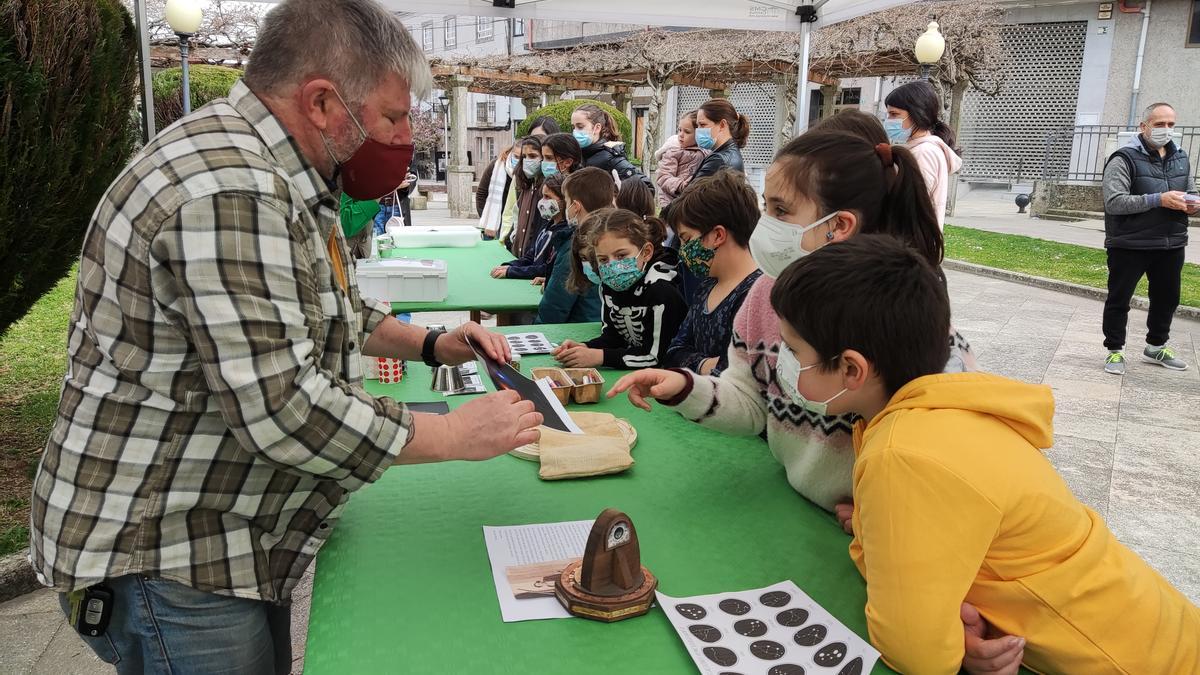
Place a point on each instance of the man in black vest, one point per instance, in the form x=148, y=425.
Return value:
x=1149, y=192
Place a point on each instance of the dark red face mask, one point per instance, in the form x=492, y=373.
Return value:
x=375, y=169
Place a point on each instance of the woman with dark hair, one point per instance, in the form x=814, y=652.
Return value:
x=913, y=119
x=560, y=155
x=527, y=178
x=598, y=138
x=721, y=129
x=543, y=125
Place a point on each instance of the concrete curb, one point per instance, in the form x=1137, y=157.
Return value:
x=1138, y=302
x=16, y=576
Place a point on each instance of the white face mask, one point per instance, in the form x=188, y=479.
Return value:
x=787, y=371
x=776, y=244
x=1160, y=136
x=531, y=167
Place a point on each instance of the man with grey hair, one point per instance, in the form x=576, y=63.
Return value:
x=212, y=422
x=1149, y=192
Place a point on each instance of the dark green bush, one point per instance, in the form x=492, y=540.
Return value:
x=204, y=82
x=561, y=112
x=68, y=78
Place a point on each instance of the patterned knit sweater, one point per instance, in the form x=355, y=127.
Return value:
x=816, y=452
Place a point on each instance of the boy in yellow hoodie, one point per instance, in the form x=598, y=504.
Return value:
x=954, y=501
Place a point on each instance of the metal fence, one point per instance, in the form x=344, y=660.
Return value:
x=1078, y=154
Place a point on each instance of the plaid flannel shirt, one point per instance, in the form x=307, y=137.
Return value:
x=212, y=421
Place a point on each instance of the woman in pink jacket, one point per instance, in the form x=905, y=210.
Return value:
x=678, y=160
x=913, y=121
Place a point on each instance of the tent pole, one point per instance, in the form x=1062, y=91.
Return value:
x=802, y=97
x=143, y=31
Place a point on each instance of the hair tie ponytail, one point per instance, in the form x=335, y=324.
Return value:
x=884, y=150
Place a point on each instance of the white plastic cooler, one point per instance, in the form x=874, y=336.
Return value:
x=403, y=280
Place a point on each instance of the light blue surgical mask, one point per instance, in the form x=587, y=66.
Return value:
x=582, y=138
x=704, y=138
x=590, y=273
x=896, y=132
x=620, y=275
x=530, y=167
x=511, y=165
x=787, y=371
x=549, y=168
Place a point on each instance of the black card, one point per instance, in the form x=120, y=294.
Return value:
x=433, y=407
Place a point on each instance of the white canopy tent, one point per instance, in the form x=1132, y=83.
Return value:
x=739, y=14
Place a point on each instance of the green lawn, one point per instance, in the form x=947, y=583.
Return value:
x=1049, y=259
x=33, y=358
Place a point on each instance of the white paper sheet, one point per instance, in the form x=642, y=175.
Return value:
x=524, y=544
x=530, y=343
x=557, y=406
x=776, y=630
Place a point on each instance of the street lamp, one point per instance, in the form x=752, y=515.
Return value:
x=445, y=132
x=184, y=18
x=929, y=48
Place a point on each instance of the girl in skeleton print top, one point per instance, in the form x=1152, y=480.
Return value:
x=642, y=307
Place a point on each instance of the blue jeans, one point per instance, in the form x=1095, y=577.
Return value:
x=161, y=626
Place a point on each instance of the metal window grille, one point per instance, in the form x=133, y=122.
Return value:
x=1005, y=136
x=754, y=100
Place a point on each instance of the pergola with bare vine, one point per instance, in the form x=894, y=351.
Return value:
x=879, y=44
x=873, y=45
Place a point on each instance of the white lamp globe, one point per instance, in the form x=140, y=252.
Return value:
x=183, y=16
x=930, y=46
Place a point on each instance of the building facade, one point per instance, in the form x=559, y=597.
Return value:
x=493, y=119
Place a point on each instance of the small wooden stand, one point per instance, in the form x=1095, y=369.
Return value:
x=609, y=583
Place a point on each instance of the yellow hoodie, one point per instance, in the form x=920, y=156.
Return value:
x=955, y=502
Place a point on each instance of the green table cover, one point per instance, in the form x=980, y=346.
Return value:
x=404, y=584
x=470, y=284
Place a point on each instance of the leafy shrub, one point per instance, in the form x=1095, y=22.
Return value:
x=205, y=83
x=68, y=78
x=561, y=112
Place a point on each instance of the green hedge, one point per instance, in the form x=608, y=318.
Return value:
x=561, y=112
x=68, y=78
x=205, y=83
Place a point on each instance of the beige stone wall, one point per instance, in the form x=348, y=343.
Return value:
x=1169, y=69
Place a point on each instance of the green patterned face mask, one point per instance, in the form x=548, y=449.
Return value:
x=697, y=257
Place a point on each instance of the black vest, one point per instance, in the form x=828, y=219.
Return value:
x=1158, y=228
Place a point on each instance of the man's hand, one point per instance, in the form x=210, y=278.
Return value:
x=452, y=348
x=479, y=429
x=538, y=281
x=1174, y=199
x=1193, y=204
x=707, y=365
x=575, y=355
x=987, y=653
x=845, y=514
x=500, y=272
x=651, y=383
